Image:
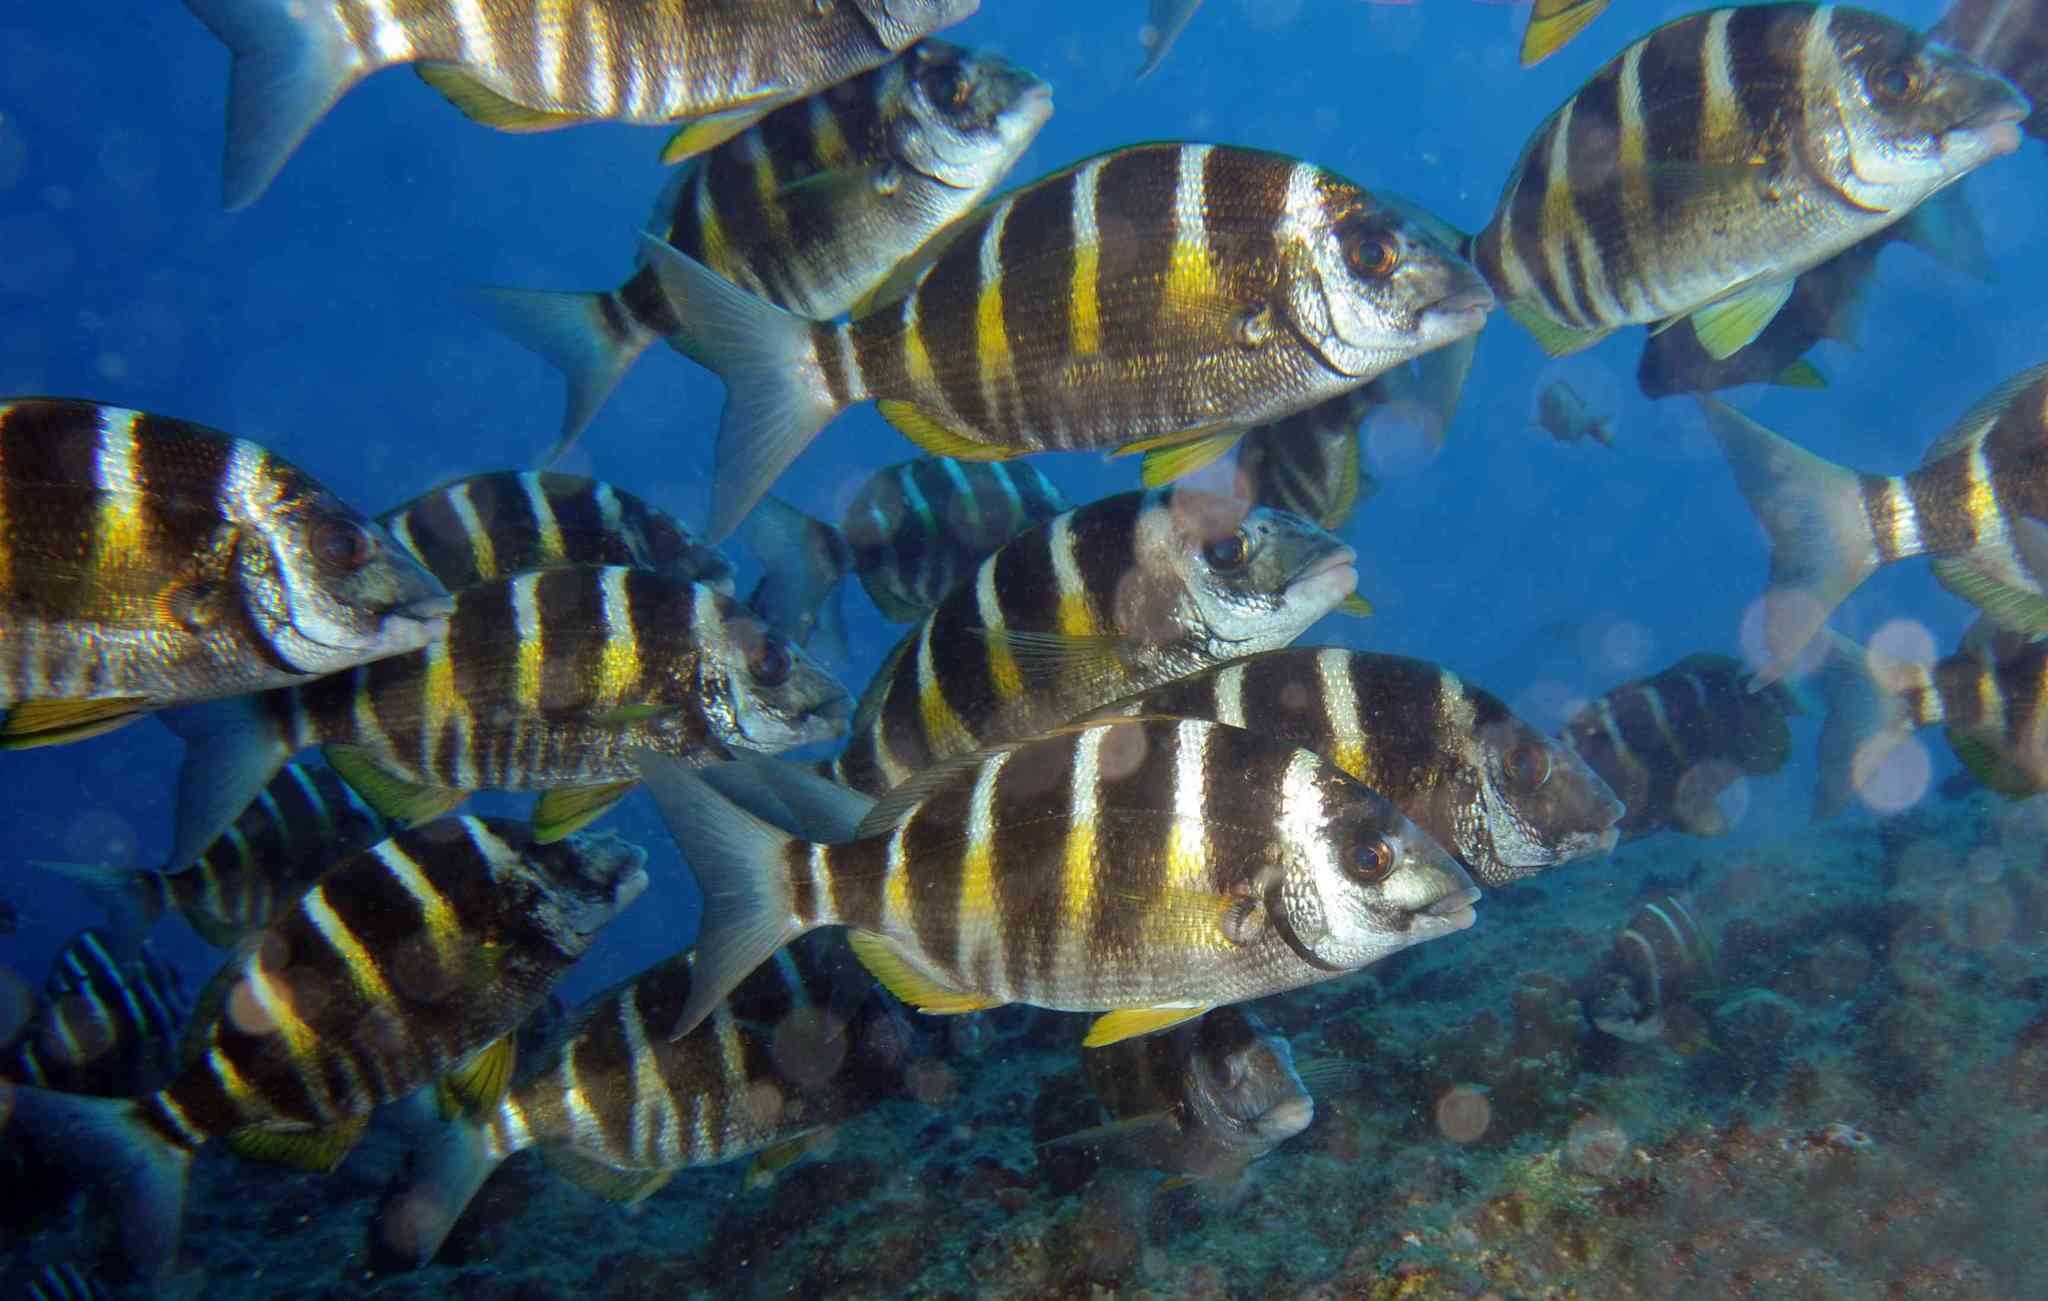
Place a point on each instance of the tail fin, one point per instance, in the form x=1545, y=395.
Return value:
x=449, y=1162
x=103, y=1143
x=1812, y=510
x=1869, y=711
x=1168, y=18
x=738, y=860
x=775, y=396
x=134, y=897
x=791, y=796
x=1552, y=25
x=232, y=750
x=593, y=339
x=291, y=63
x=804, y=560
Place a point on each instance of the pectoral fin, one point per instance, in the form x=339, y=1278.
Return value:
x=478, y=1085
x=391, y=795
x=566, y=809
x=889, y=966
x=1727, y=327
x=316, y=1150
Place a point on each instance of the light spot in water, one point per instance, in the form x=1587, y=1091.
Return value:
x=1894, y=781
x=1463, y=1113
x=1398, y=441
x=1904, y=639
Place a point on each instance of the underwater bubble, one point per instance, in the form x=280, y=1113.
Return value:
x=1463, y=1113
x=1626, y=646
x=101, y=836
x=968, y=1035
x=247, y=1010
x=1718, y=783
x=1122, y=752
x=1398, y=441
x=765, y=1102
x=1779, y=606
x=809, y=1046
x=1897, y=780
x=1547, y=705
x=1905, y=639
x=1596, y=1144
x=111, y=365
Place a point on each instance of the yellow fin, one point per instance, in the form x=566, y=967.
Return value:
x=566, y=809
x=1355, y=605
x=1800, y=374
x=707, y=133
x=30, y=723
x=1987, y=765
x=315, y=1150
x=482, y=104
x=393, y=796
x=478, y=1085
x=1130, y=1022
x=771, y=1161
x=915, y=424
x=613, y=1183
x=1552, y=25
x=1556, y=339
x=1162, y=465
x=889, y=966
x=1727, y=327
x=2010, y=607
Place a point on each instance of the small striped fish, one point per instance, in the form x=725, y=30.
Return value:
x=1146, y=869
x=1990, y=698
x=1312, y=462
x=1661, y=959
x=1669, y=743
x=2008, y=36
x=913, y=533
x=619, y=1109
x=1105, y=600
x=491, y=526
x=1202, y=1100
x=1976, y=505
x=544, y=682
x=814, y=209
x=536, y=65
x=402, y=964
x=1717, y=158
x=1506, y=800
x=1160, y=298
x=147, y=562
x=301, y=823
x=108, y=1024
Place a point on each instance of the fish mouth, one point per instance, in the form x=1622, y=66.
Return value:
x=431, y=615
x=1327, y=565
x=1286, y=1119
x=1455, y=909
x=1996, y=129
x=1463, y=308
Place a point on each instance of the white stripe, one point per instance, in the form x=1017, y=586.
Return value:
x=981, y=830
x=114, y=463
x=550, y=38
x=513, y=1133
x=1340, y=702
x=1066, y=569
x=653, y=1129
x=600, y=91
x=1303, y=819
x=388, y=39
x=473, y=525
x=1230, y=696
x=473, y=29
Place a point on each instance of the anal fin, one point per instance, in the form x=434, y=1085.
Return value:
x=30, y=723
x=914, y=987
x=316, y=1150
x=1130, y=1022
x=389, y=794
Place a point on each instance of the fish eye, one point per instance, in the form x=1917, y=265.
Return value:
x=1372, y=255
x=1528, y=767
x=770, y=662
x=1371, y=859
x=339, y=544
x=1895, y=81
x=1228, y=554
x=948, y=86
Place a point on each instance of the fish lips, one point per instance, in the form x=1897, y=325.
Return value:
x=1455, y=911
x=1989, y=133
x=1331, y=574
x=1460, y=311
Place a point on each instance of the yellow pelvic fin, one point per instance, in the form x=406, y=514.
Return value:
x=391, y=795
x=1555, y=338
x=30, y=723
x=1164, y=463
x=1800, y=374
x=889, y=966
x=613, y=1183
x=1355, y=605
x=1553, y=24
x=482, y=104
x=1727, y=327
x=771, y=1161
x=478, y=1085
x=316, y=1150
x=566, y=809
x=704, y=134
x=2010, y=607
x=916, y=424
x=1130, y=1022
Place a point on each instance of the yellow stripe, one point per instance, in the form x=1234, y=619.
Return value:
x=1084, y=322
x=552, y=548
x=1078, y=869
x=119, y=534
x=1187, y=845
x=1076, y=614
x=1340, y=704
x=1723, y=132
x=238, y=1089
x=828, y=143
x=1004, y=674
x=362, y=968
x=1191, y=280
x=896, y=886
x=275, y=1004
x=992, y=344
x=618, y=666
x=532, y=643
x=435, y=911
x=977, y=879
x=917, y=358
x=944, y=731
x=441, y=705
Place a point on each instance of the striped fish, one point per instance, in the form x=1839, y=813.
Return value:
x=619, y=1109
x=66, y=1282
x=1146, y=869
x=1552, y=25
x=1159, y=298
x=1668, y=744
x=402, y=964
x=1662, y=957
x=1108, y=599
x=1312, y=462
x=294, y=830
x=536, y=65
x=1715, y=159
x=1990, y=697
x=490, y=526
x=814, y=209
x=1826, y=303
x=1976, y=504
x=108, y=1024
x=1503, y=798
x=2008, y=36
x=147, y=562
x=914, y=533
x=544, y=682
x=1202, y=1100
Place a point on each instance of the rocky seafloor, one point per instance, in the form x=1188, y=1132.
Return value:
x=1855, y=1106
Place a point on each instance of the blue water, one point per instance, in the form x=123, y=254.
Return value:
x=328, y=321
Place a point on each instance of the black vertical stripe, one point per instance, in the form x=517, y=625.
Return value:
x=1033, y=808
x=1026, y=584
x=685, y=228
x=1130, y=836
x=1105, y=546
x=1763, y=58
x=1673, y=81
x=1593, y=154
x=1134, y=223
x=948, y=301
x=1038, y=245
x=936, y=842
